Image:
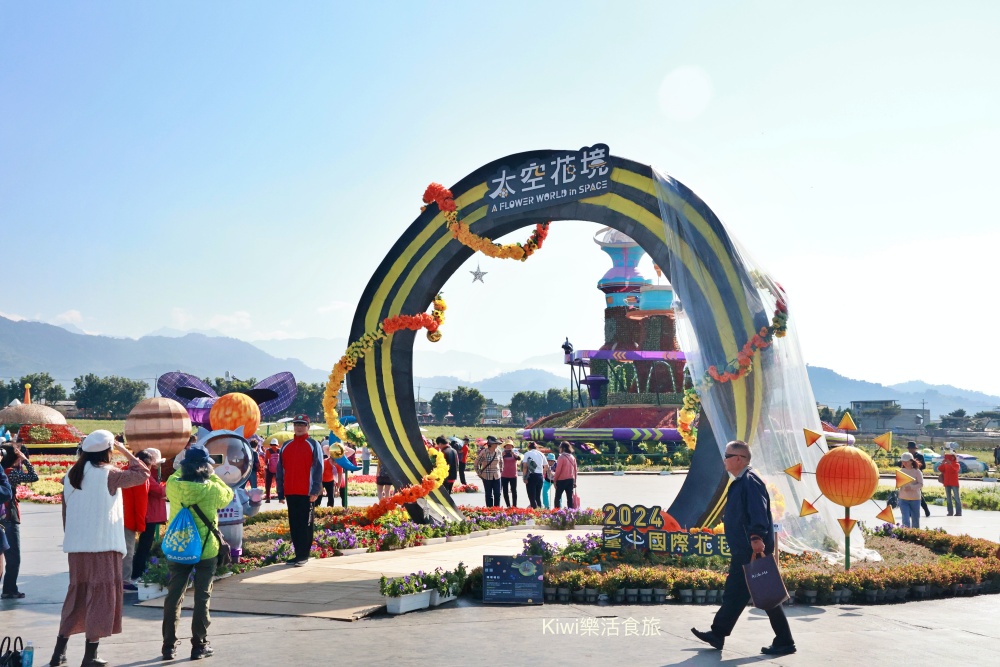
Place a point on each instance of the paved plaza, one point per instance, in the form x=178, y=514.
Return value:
x=286, y=618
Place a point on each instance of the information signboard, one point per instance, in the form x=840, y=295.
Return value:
x=512, y=579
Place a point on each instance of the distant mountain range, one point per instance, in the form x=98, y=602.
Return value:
x=29, y=347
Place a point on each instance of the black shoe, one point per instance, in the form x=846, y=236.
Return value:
x=201, y=651
x=710, y=638
x=90, y=658
x=778, y=649
x=11, y=596
x=59, y=654
x=169, y=651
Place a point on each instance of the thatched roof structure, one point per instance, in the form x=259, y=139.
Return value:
x=30, y=414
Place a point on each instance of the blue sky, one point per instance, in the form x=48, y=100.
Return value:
x=244, y=167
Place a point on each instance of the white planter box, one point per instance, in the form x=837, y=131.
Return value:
x=435, y=540
x=150, y=591
x=437, y=598
x=497, y=531
x=351, y=552
x=457, y=538
x=478, y=533
x=405, y=603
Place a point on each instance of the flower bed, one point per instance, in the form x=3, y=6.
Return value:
x=917, y=564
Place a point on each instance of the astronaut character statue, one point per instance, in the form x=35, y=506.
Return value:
x=232, y=457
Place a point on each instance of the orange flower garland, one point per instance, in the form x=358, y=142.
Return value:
x=440, y=195
x=359, y=348
x=738, y=368
x=412, y=494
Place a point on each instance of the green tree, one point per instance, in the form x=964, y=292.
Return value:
x=308, y=400
x=440, y=405
x=557, y=400
x=41, y=385
x=525, y=404
x=954, y=419
x=223, y=386
x=826, y=414
x=56, y=392
x=467, y=406
x=111, y=396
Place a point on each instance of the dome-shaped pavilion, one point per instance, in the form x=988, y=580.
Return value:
x=30, y=413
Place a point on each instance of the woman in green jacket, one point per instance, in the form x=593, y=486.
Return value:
x=194, y=484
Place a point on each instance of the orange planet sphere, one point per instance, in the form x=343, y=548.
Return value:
x=234, y=410
x=847, y=476
x=158, y=422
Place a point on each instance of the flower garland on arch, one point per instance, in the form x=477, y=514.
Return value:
x=415, y=492
x=686, y=416
x=442, y=196
x=359, y=348
x=740, y=366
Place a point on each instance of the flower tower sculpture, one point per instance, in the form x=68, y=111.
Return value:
x=848, y=477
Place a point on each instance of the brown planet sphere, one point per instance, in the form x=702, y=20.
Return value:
x=158, y=422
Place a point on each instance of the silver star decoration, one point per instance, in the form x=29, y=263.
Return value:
x=478, y=275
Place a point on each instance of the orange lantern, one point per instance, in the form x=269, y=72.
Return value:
x=847, y=476
x=234, y=410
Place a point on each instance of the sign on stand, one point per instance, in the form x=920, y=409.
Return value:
x=512, y=579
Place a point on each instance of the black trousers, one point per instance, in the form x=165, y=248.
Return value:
x=461, y=472
x=509, y=483
x=565, y=486
x=300, y=525
x=268, y=481
x=534, y=484
x=734, y=600
x=328, y=488
x=142, y=548
x=12, y=555
x=492, y=487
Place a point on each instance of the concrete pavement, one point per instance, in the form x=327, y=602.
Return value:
x=938, y=632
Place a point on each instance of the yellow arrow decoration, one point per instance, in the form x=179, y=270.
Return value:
x=902, y=479
x=884, y=441
x=847, y=525
x=807, y=509
x=795, y=472
x=886, y=515
x=811, y=437
x=847, y=423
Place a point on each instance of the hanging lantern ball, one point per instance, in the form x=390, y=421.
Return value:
x=847, y=476
x=158, y=422
x=234, y=410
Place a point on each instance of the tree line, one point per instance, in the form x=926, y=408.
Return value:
x=114, y=397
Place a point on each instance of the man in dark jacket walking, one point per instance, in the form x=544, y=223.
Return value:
x=300, y=483
x=749, y=531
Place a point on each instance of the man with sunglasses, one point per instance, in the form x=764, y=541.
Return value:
x=749, y=531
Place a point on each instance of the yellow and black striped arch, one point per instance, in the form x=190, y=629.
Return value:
x=426, y=255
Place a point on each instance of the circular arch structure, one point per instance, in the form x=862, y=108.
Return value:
x=426, y=255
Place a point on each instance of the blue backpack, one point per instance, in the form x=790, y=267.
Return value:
x=182, y=541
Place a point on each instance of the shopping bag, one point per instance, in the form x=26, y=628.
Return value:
x=575, y=502
x=182, y=541
x=767, y=590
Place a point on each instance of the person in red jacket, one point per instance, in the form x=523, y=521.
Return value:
x=949, y=477
x=156, y=510
x=135, y=501
x=271, y=456
x=300, y=483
